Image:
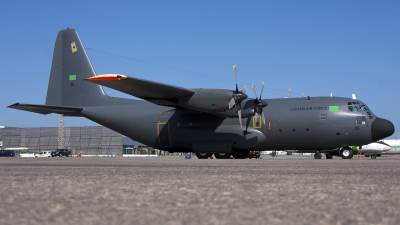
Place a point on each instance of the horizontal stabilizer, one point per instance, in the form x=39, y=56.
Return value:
x=47, y=109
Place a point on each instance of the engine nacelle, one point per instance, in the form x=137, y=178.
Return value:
x=208, y=100
x=233, y=113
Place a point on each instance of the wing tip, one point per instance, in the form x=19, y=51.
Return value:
x=107, y=77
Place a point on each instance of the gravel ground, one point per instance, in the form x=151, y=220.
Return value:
x=172, y=190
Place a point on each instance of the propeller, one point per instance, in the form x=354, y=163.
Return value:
x=259, y=104
x=238, y=97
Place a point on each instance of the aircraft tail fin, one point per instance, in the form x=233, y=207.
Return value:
x=69, y=68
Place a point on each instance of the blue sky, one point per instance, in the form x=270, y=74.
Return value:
x=313, y=47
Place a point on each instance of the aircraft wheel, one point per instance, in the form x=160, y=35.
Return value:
x=373, y=156
x=203, y=155
x=222, y=155
x=346, y=153
x=329, y=156
x=317, y=155
x=240, y=155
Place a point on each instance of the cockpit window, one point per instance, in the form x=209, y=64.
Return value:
x=357, y=107
x=364, y=108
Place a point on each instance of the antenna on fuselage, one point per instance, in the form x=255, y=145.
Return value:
x=290, y=92
x=353, y=96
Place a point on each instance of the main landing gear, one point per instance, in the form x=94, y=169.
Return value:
x=203, y=155
x=345, y=153
x=222, y=155
x=236, y=155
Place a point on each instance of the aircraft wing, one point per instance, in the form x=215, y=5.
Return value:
x=157, y=93
x=46, y=109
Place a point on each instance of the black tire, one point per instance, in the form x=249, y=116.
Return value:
x=329, y=156
x=318, y=155
x=240, y=155
x=222, y=155
x=373, y=156
x=346, y=153
x=203, y=155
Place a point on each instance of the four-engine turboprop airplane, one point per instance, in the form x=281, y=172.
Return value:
x=203, y=121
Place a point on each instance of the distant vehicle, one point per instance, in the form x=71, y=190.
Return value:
x=43, y=154
x=7, y=153
x=19, y=150
x=27, y=155
x=61, y=152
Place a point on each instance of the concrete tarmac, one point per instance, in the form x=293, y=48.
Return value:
x=172, y=190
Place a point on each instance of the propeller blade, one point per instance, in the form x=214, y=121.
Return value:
x=244, y=90
x=240, y=117
x=262, y=88
x=263, y=117
x=254, y=90
x=234, y=73
x=231, y=103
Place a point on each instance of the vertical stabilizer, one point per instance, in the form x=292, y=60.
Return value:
x=69, y=67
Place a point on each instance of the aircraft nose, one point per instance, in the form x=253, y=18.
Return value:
x=386, y=148
x=381, y=128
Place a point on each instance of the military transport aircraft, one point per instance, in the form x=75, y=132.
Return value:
x=203, y=121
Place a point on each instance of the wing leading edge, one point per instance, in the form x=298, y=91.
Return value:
x=157, y=93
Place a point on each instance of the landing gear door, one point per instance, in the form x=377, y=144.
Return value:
x=163, y=134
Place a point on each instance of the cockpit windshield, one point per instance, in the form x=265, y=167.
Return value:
x=359, y=107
